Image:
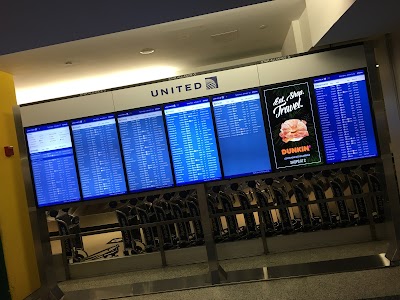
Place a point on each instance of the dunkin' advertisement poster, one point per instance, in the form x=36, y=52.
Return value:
x=292, y=126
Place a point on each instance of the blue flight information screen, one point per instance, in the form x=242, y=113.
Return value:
x=99, y=157
x=53, y=164
x=241, y=134
x=345, y=115
x=192, y=141
x=145, y=149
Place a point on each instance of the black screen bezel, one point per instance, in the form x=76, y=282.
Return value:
x=216, y=140
x=372, y=114
x=167, y=140
x=76, y=158
x=31, y=169
x=315, y=117
x=265, y=131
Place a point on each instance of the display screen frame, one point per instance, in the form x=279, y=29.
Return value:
x=120, y=151
x=209, y=98
x=263, y=115
x=161, y=106
x=214, y=132
x=31, y=168
x=372, y=114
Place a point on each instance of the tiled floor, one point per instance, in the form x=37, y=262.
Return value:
x=352, y=285
x=355, y=285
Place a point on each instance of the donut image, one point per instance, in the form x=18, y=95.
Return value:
x=293, y=130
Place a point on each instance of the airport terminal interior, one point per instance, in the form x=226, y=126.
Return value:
x=214, y=150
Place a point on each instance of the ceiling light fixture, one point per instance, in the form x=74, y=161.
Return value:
x=263, y=26
x=147, y=51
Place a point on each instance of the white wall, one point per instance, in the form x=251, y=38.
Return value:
x=118, y=79
x=233, y=63
x=289, y=46
x=312, y=65
x=228, y=80
x=323, y=14
x=305, y=31
x=298, y=38
x=53, y=111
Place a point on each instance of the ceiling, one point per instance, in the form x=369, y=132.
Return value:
x=27, y=25
x=366, y=18
x=76, y=48
x=181, y=46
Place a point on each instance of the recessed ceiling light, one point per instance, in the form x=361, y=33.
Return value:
x=377, y=65
x=146, y=51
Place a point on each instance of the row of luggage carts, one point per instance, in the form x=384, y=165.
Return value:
x=240, y=211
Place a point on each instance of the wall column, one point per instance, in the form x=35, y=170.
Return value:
x=15, y=228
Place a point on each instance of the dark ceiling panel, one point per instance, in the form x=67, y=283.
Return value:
x=365, y=18
x=27, y=24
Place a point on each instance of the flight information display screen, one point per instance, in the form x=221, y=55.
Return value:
x=345, y=115
x=192, y=141
x=53, y=164
x=145, y=149
x=99, y=157
x=241, y=134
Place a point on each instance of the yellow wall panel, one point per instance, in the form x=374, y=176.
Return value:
x=15, y=229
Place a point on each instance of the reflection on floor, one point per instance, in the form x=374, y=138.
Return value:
x=386, y=298
x=357, y=285
x=354, y=285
